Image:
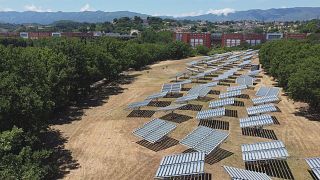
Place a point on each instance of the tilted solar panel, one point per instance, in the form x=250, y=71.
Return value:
x=241, y=174
x=268, y=91
x=181, y=164
x=230, y=94
x=245, y=80
x=174, y=87
x=154, y=130
x=222, y=102
x=234, y=88
x=265, y=99
x=264, y=151
x=138, y=104
x=204, y=139
x=171, y=107
x=211, y=113
x=186, y=98
x=314, y=164
x=256, y=121
x=156, y=96
x=261, y=109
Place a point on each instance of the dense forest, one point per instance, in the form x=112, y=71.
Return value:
x=41, y=76
x=296, y=66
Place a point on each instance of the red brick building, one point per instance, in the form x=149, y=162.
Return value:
x=295, y=35
x=236, y=39
x=39, y=35
x=194, y=39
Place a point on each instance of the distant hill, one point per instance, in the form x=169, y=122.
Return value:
x=283, y=14
x=50, y=17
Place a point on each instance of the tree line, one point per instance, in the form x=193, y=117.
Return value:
x=296, y=66
x=40, y=77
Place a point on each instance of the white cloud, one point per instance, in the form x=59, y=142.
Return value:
x=87, y=7
x=6, y=9
x=32, y=7
x=220, y=12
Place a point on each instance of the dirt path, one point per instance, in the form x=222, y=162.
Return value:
x=103, y=144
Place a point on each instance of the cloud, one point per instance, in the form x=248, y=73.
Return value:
x=32, y=7
x=6, y=9
x=220, y=12
x=87, y=7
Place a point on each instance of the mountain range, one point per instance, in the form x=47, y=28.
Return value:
x=282, y=14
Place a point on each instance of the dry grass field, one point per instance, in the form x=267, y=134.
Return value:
x=102, y=142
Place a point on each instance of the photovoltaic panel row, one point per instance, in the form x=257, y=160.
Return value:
x=244, y=63
x=268, y=91
x=234, y=88
x=211, y=113
x=245, y=80
x=265, y=99
x=264, y=151
x=138, y=104
x=230, y=94
x=314, y=164
x=265, y=108
x=181, y=164
x=157, y=95
x=174, y=87
x=204, y=139
x=222, y=102
x=188, y=81
x=186, y=98
x=241, y=174
x=192, y=70
x=255, y=121
x=154, y=130
x=198, y=76
x=253, y=73
x=171, y=107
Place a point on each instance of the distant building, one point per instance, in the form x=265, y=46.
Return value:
x=254, y=39
x=236, y=39
x=216, y=39
x=274, y=36
x=24, y=35
x=39, y=35
x=194, y=39
x=56, y=34
x=295, y=36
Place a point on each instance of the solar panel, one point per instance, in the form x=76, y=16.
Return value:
x=157, y=95
x=186, y=98
x=222, y=102
x=255, y=121
x=211, y=113
x=201, y=90
x=204, y=139
x=192, y=63
x=188, y=81
x=234, y=88
x=244, y=63
x=261, y=109
x=314, y=164
x=204, y=91
x=138, y=104
x=192, y=70
x=245, y=80
x=230, y=94
x=171, y=107
x=154, y=130
x=242, y=174
x=265, y=99
x=174, y=87
x=253, y=73
x=181, y=164
x=268, y=91
x=198, y=76
x=264, y=151
x=210, y=84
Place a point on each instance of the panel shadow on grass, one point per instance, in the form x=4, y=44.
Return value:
x=231, y=113
x=263, y=133
x=215, y=124
x=215, y=156
x=274, y=168
x=191, y=107
x=174, y=95
x=204, y=176
x=165, y=143
x=177, y=118
x=142, y=113
x=314, y=177
x=159, y=103
x=275, y=120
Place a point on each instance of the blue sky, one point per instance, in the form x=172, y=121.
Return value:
x=154, y=7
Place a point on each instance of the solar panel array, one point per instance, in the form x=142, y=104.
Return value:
x=268, y=91
x=241, y=174
x=210, y=84
x=314, y=164
x=244, y=63
x=204, y=139
x=264, y=151
x=154, y=130
x=265, y=99
x=198, y=76
x=255, y=121
x=181, y=164
x=188, y=81
x=211, y=113
x=234, y=88
x=201, y=90
x=261, y=109
x=171, y=107
x=174, y=88
x=192, y=70
x=139, y=104
x=186, y=98
x=253, y=73
x=221, y=102
x=230, y=94
x=245, y=80
x=158, y=95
